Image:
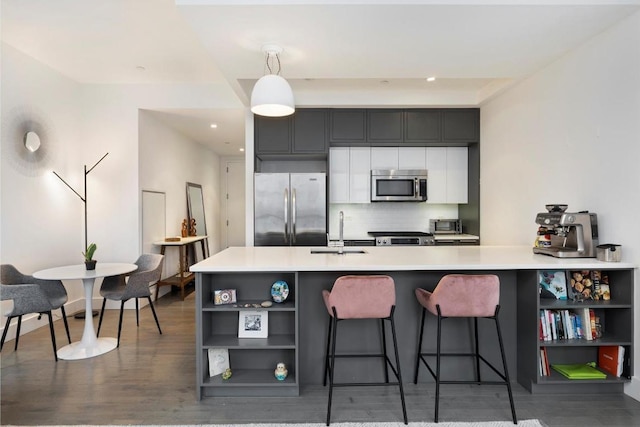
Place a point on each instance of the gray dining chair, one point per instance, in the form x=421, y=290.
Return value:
x=31, y=295
x=136, y=285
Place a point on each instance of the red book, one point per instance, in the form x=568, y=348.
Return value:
x=610, y=359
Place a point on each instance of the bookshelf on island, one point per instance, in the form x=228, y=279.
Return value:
x=252, y=359
x=585, y=320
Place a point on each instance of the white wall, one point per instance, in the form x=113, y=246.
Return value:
x=42, y=220
x=569, y=134
x=168, y=161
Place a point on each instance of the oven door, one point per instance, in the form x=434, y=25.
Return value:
x=390, y=186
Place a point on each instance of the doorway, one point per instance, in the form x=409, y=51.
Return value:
x=233, y=223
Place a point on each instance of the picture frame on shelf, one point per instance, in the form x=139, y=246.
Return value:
x=253, y=324
x=224, y=296
x=218, y=361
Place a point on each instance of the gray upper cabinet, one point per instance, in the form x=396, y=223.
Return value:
x=347, y=125
x=460, y=125
x=310, y=132
x=385, y=126
x=305, y=132
x=272, y=135
x=422, y=126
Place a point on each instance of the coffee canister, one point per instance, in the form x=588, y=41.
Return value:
x=609, y=252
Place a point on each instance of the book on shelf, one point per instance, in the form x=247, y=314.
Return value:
x=544, y=362
x=611, y=359
x=552, y=284
x=585, y=319
x=565, y=324
x=590, y=285
x=579, y=371
x=601, y=288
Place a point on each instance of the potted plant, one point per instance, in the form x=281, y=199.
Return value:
x=89, y=262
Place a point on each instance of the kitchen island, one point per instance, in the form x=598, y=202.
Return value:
x=297, y=327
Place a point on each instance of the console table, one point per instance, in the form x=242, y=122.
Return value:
x=183, y=277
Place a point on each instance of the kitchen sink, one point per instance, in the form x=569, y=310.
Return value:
x=336, y=251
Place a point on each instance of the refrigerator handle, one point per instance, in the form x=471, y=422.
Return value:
x=293, y=216
x=286, y=216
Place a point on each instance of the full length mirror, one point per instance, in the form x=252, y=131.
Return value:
x=195, y=207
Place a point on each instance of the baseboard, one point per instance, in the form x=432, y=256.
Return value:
x=632, y=389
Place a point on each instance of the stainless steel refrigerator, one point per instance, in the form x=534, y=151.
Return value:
x=290, y=209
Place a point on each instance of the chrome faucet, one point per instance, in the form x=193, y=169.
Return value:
x=341, y=238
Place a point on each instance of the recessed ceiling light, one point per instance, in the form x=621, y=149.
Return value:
x=242, y=149
x=214, y=126
x=431, y=79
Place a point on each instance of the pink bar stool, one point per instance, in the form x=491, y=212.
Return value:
x=361, y=297
x=463, y=295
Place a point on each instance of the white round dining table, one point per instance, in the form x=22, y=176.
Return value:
x=90, y=345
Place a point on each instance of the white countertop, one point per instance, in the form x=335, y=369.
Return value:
x=395, y=258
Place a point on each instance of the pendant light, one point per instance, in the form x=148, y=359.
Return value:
x=272, y=96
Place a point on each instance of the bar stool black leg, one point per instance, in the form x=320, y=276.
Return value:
x=438, y=348
x=137, y=313
x=504, y=364
x=415, y=378
x=384, y=352
x=326, y=357
x=477, y=352
x=395, y=348
x=333, y=364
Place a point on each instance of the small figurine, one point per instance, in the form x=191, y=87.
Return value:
x=192, y=227
x=226, y=374
x=184, y=228
x=281, y=372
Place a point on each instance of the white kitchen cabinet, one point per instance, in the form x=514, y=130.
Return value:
x=339, y=175
x=398, y=158
x=447, y=174
x=360, y=175
x=350, y=175
x=384, y=157
x=436, y=159
x=457, y=175
x=412, y=158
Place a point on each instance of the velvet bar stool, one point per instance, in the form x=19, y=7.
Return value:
x=361, y=297
x=470, y=296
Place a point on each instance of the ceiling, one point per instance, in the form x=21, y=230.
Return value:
x=335, y=53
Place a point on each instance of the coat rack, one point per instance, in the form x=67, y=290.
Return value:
x=83, y=198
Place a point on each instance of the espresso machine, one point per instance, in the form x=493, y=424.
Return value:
x=566, y=234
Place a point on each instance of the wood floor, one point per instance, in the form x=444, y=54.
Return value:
x=151, y=379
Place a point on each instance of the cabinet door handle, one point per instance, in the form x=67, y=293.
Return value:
x=293, y=216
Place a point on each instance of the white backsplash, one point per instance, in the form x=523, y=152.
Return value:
x=360, y=218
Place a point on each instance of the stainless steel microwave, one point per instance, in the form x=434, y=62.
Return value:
x=398, y=185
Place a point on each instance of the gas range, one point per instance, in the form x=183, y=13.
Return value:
x=405, y=238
